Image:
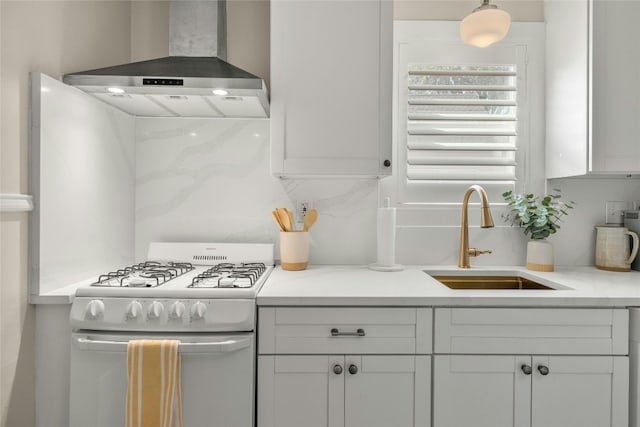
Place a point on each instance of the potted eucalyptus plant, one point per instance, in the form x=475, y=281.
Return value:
x=540, y=218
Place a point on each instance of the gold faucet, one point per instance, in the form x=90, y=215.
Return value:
x=485, y=222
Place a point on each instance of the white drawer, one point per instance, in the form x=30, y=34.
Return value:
x=531, y=331
x=328, y=330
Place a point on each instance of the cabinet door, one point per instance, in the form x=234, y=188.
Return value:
x=616, y=87
x=387, y=391
x=300, y=391
x=592, y=88
x=331, y=87
x=580, y=391
x=481, y=391
x=567, y=83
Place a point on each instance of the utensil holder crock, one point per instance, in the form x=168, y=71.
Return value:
x=294, y=250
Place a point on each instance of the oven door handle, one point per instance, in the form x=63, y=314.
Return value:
x=227, y=346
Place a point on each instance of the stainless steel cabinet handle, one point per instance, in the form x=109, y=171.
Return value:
x=335, y=332
x=353, y=369
x=526, y=369
x=337, y=369
x=543, y=370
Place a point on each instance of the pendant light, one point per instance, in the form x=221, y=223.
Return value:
x=485, y=25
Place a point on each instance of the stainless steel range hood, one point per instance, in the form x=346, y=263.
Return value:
x=194, y=81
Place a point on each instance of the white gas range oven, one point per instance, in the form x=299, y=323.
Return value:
x=201, y=294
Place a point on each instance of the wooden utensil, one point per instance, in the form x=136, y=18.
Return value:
x=309, y=219
x=275, y=216
x=284, y=218
x=291, y=221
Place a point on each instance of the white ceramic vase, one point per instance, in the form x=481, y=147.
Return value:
x=539, y=255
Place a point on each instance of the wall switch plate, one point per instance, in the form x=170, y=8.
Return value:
x=615, y=214
x=302, y=207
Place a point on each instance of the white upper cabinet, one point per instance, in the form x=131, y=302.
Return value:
x=331, y=80
x=616, y=86
x=593, y=87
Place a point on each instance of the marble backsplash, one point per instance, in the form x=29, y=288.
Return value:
x=82, y=178
x=210, y=180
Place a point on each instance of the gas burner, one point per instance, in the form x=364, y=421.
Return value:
x=227, y=275
x=148, y=274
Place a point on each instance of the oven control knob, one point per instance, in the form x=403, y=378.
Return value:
x=155, y=310
x=133, y=310
x=198, y=311
x=94, y=309
x=176, y=310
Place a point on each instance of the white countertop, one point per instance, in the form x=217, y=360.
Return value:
x=358, y=285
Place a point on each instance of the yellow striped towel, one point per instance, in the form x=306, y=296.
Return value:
x=153, y=384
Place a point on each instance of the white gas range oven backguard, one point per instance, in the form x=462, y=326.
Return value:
x=201, y=294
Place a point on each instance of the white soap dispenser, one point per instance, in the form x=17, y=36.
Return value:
x=386, y=239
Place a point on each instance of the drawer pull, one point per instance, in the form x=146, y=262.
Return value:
x=336, y=333
x=526, y=369
x=543, y=370
x=337, y=369
x=353, y=369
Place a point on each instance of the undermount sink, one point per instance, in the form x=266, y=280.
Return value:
x=488, y=282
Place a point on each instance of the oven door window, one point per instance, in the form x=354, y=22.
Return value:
x=217, y=379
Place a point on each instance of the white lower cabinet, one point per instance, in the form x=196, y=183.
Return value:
x=536, y=391
x=300, y=391
x=446, y=367
x=344, y=367
x=480, y=391
x=580, y=391
x=344, y=391
x=531, y=367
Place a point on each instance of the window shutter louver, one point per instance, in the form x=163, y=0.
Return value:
x=461, y=128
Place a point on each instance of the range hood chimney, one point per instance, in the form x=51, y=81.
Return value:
x=194, y=81
x=198, y=28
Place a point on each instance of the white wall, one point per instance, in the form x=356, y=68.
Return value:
x=454, y=10
x=248, y=36
x=54, y=37
x=149, y=30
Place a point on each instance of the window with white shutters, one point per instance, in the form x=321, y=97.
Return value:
x=463, y=116
x=461, y=129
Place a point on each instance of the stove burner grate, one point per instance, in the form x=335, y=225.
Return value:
x=148, y=274
x=227, y=275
